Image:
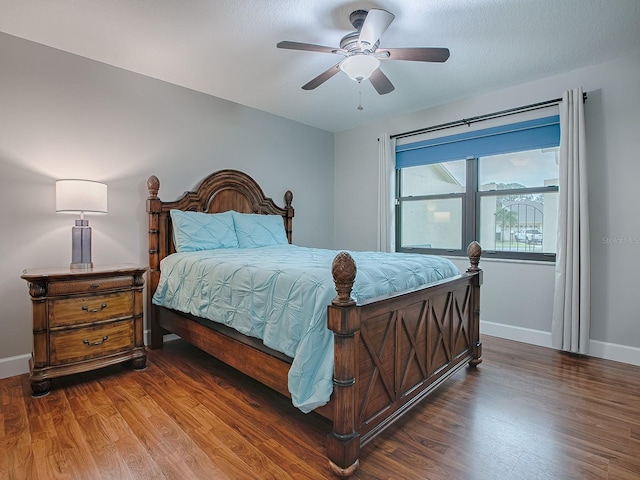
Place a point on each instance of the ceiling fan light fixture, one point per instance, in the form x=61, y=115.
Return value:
x=359, y=67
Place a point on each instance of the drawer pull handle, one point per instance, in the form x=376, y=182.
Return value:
x=94, y=285
x=93, y=344
x=93, y=310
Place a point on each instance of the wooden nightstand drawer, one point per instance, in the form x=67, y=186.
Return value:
x=92, y=285
x=87, y=309
x=90, y=342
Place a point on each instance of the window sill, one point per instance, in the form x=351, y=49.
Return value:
x=486, y=259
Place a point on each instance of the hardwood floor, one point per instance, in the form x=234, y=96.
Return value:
x=525, y=413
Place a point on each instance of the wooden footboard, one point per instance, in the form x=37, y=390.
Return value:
x=391, y=352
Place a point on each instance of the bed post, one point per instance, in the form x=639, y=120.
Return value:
x=475, y=251
x=343, y=443
x=288, y=217
x=154, y=207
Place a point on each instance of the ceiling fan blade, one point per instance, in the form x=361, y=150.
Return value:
x=417, y=54
x=375, y=24
x=308, y=47
x=323, y=77
x=381, y=82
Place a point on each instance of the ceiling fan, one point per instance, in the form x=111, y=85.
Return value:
x=361, y=52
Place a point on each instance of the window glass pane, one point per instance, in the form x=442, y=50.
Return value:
x=432, y=223
x=515, y=224
x=449, y=177
x=532, y=168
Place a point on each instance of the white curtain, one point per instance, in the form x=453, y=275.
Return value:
x=571, y=308
x=386, y=186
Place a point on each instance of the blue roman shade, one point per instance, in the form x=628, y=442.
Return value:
x=521, y=136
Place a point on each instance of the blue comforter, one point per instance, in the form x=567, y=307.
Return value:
x=280, y=294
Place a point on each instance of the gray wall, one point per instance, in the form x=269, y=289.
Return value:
x=517, y=297
x=63, y=116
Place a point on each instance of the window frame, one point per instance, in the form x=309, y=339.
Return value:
x=472, y=197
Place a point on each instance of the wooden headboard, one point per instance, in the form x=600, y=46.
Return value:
x=221, y=191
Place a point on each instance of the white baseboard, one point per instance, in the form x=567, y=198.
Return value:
x=12, y=366
x=612, y=351
x=167, y=338
x=519, y=334
x=19, y=364
x=608, y=351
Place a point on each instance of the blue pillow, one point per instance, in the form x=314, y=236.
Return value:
x=255, y=230
x=194, y=231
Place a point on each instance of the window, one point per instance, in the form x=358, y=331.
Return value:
x=498, y=186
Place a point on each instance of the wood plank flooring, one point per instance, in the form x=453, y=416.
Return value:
x=525, y=413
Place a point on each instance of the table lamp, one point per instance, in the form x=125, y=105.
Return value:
x=81, y=197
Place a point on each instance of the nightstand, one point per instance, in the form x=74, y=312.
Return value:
x=84, y=319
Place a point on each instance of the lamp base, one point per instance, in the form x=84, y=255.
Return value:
x=81, y=246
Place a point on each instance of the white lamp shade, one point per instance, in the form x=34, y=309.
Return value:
x=73, y=196
x=359, y=67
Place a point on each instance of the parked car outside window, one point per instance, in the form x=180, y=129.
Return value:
x=529, y=236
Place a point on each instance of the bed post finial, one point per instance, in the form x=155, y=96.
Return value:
x=343, y=269
x=474, y=251
x=153, y=185
x=288, y=198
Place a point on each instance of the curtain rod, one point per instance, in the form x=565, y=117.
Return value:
x=480, y=118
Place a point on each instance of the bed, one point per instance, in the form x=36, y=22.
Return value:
x=389, y=351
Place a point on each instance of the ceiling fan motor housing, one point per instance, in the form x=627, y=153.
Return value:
x=357, y=18
x=349, y=43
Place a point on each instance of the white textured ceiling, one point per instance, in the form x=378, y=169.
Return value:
x=226, y=48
